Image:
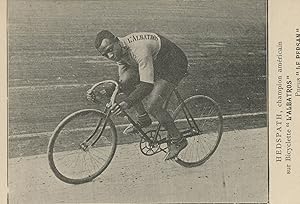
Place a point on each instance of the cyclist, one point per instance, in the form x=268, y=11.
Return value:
x=149, y=65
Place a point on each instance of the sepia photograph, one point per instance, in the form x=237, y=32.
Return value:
x=137, y=101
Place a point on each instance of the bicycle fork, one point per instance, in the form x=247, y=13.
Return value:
x=84, y=145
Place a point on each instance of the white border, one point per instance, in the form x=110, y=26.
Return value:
x=283, y=19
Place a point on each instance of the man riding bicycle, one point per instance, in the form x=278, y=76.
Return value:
x=149, y=65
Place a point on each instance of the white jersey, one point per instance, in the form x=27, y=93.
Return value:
x=141, y=50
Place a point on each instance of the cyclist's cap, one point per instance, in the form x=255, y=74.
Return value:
x=102, y=35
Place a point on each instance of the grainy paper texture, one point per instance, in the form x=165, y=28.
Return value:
x=284, y=104
x=52, y=62
x=3, y=105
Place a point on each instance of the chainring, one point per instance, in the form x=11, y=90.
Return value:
x=150, y=149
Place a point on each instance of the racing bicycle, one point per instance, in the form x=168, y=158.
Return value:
x=84, y=143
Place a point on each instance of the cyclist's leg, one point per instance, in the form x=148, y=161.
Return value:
x=171, y=66
x=161, y=91
x=128, y=79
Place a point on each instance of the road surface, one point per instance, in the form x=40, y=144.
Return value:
x=237, y=172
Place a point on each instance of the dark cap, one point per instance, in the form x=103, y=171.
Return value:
x=102, y=35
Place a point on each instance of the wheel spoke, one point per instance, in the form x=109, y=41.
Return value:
x=99, y=157
x=93, y=161
x=96, y=164
x=95, y=157
x=206, y=120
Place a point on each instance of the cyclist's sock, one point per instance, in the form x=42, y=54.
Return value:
x=144, y=120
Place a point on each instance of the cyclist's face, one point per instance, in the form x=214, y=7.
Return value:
x=110, y=49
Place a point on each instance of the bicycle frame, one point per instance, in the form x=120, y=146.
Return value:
x=187, y=113
x=188, y=117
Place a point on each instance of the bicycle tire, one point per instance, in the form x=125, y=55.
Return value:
x=193, y=155
x=65, y=144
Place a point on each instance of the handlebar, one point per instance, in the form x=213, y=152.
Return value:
x=113, y=97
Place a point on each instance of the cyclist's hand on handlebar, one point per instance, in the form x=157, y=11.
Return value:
x=117, y=109
x=91, y=96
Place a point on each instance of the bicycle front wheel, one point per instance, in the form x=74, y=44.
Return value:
x=74, y=153
x=199, y=118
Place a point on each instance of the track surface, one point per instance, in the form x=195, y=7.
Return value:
x=237, y=172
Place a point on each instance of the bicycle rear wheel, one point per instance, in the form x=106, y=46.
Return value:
x=71, y=156
x=203, y=129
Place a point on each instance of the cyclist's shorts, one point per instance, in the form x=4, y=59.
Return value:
x=171, y=63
